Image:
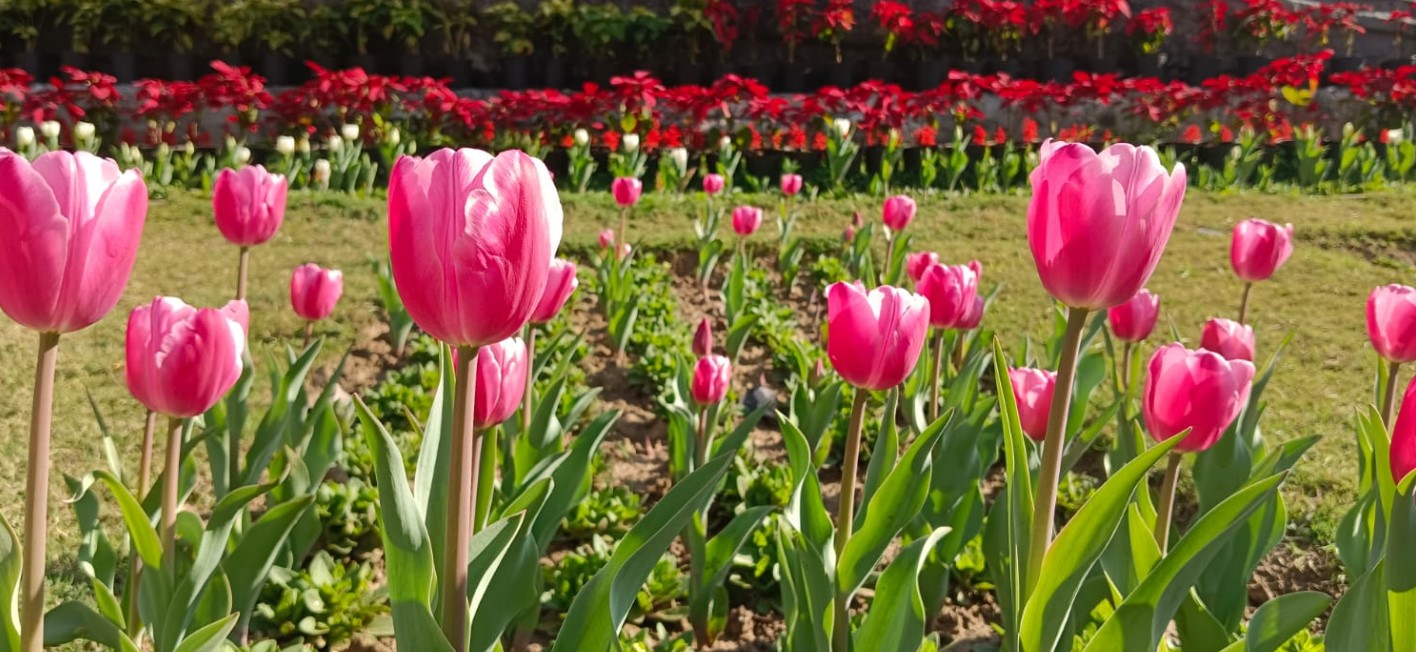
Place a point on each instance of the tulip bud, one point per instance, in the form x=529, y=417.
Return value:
x=874, y=338
x=501, y=382
x=1403, y=436
x=624, y=251
x=394, y=136
x=626, y=191
x=630, y=143
x=314, y=291
x=561, y=282
x=181, y=360
x=349, y=131
x=24, y=136
x=582, y=138
x=711, y=376
x=713, y=184
x=1199, y=390
x=857, y=221
x=607, y=238
x=302, y=145
x=951, y=290
x=898, y=212
x=321, y=171
x=703, y=338
x=285, y=145
x=842, y=127
x=189, y=148
x=1032, y=390
x=249, y=204
x=917, y=263
x=1134, y=320
x=1348, y=130
x=1395, y=136
x=243, y=155
x=1391, y=322
x=974, y=316
x=49, y=129
x=1258, y=248
x=746, y=220
x=679, y=156
x=791, y=184
x=1231, y=339
x=849, y=234
x=84, y=132
x=163, y=151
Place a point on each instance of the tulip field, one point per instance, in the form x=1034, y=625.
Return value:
x=469, y=411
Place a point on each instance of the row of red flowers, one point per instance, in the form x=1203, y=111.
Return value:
x=1141, y=109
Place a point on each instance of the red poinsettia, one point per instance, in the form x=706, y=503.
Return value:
x=793, y=19
x=896, y=19
x=834, y=23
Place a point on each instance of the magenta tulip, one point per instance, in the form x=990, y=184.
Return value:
x=711, y=376
x=1403, y=436
x=951, y=290
x=561, y=282
x=1259, y=248
x=182, y=360
x=791, y=184
x=898, y=212
x=746, y=220
x=626, y=191
x=975, y=315
x=713, y=184
x=703, y=338
x=1199, y=390
x=1391, y=322
x=874, y=338
x=916, y=263
x=501, y=379
x=69, y=231
x=1098, y=223
x=1231, y=339
x=1032, y=389
x=471, y=238
x=249, y=204
x=1134, y=320
x=849, y=234
x=607, y=238
x=314, y=291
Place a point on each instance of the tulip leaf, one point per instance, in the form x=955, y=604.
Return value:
x=598, y=612
x=271, y=433
x=210, y=638
x=431, y=478
x=884, y=453
x=75, y=621
x=898, y=616
x=250, y=562
x=569, y=474
x=1401, y=565
x=1359, y=621
x=1009, y=522
x=718, y=556
x=738, y=332
x=503, y=559
x=805, y=510
x=1141, y=619
x=806, y=589
x=1198, y=628
x=1279, y=619
x=11, y=562
x=144, y=536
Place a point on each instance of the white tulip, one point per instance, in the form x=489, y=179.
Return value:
x=679, y=156
x=394, y=136
x=582, y=138
x=84, y=131
x=163, y=152
x=1395, y=136
x=303, y=145
x=843, y=127
x=725, y=143
x=285, y=145
x=334, y=143
x=24, y=137
x=49, y=129
x=243, y=155
x=189, y=148
x=321, y=171
x=349, y=131
x=630, y=143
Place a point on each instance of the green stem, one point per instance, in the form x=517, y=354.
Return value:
x=463, y=479
x=938, y=368
x=135, y=564
x=171, y=474
x=241, y=273
x=37, y=497
x=1050, y=471
x=1125, y=371
x=889, y=256
x=486, y=476
x=1389, y=397
x=1166, y=507
x=845, y=515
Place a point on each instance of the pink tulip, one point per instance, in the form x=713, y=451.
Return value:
x=1259, y=248
x=561, y=282
x=1391, y=322
x=874, y=338
x=1032, y=389
x=1199, y=390
x=791, y=184
x=975, y=315
x=857, y=222
x=69, y=231
x=249, y=204
x=746, y=219
x=951, y=290
x=713, y=184
x=1134, y=320
x=849, y=234
x=626, y=191
x=182, y=360
x=917, y=263
x=898, y=212
x=471, y=238
x=607, y=238
x=624, y=250
x=711, y=376
x=501, y=381
x=1098, y=223
x=314, y=291
x=703, y=338
x=1403, y=436
x=1231, y=339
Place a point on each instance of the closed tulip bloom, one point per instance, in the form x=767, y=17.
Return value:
x=791, y=184
x=711, y=376
x=314, y=291
x=626, y=190
x=1032, y=389
x=1391, y=322
x=898, y=212
x=1403, y=436
x=1134, y=320
x=1199, y=390
x=607, y=238
x=951, y=290
x=713, y=184
x=1259, y=248
x=624, y=250
x=874, y=338
x=1098, y=223
x=561, y=282
x=974, y=316
x=746, y=219
x=501, y=380
x=916, y=263
x=848, y=235
x=471, y=238
x=1231, y=339
x=703, y=338
x=249, y=204
x=182, y=360
x=69, y=231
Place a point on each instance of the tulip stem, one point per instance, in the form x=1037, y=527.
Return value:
x=135, y=565
x=1389, y=397
x=37, y=497
x=938, y=369
x=309, y=333
x=530, y=380
x=1244, y=302
x=1125, y=372
x=463, y=478
x=486, y=476
x=241, y=273
x=1050, y=471
x=889, y=257
x=1166, y=506
x=171, y=473
x=622, y=235
x=845, y=514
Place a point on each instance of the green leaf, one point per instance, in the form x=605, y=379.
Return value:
x=805, y=511
x=431, y=479
x=806, y=590
x=1401, y=565
x=1078, y=546
x=599, y=610
x=1279, y=619
x=210, y=638
x=884, y=454
x=718, y=561
x=570, y=476
x=897, y=617
x=249, y=564
x=143, y=535
x=1010, y=521
x=1359, y=621
x=738, y=332
x=75, y=621
x=502, y=559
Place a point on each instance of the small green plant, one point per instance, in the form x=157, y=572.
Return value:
x=609, y=511
x=572, y=572
x=324, y=605
x=349, y=512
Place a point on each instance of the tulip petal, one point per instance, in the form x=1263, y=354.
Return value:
x=34, y=244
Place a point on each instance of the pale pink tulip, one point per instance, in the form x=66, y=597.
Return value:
x=607, y=238
x=501, y=381
x=182, y=360
x=1134, y=320
x=746, y=220
x=1032, y=389
x=1231, y=339
x=951, y=290
x=898, y=212
x=874, y=338
x=626, y=191
x=1199, y=390
x=971, y=320
x=1391, y=322
x=561, y=281
x=711, y=376
x=249, y=204
x=713, y=184
x=314, y=291
x=1259, y=248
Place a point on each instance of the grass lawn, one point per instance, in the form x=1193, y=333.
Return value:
x=1346, y=246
